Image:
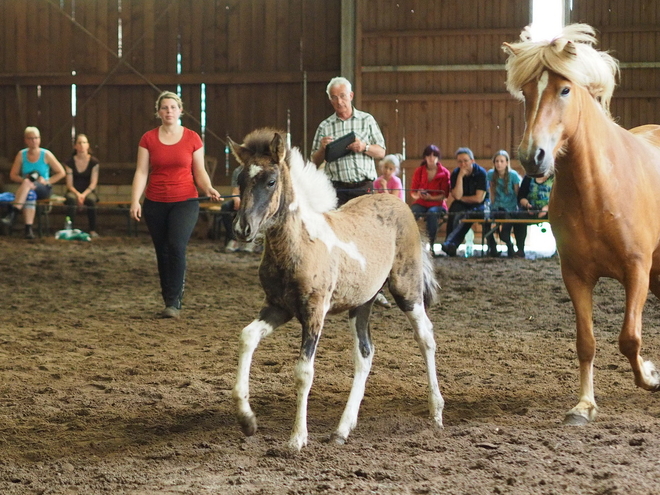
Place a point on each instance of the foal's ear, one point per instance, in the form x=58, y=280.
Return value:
x=509, y=49
x=241, y=153
x=277, y=148
x=564, y=47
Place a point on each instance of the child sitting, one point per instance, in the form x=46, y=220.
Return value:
x=388, y=182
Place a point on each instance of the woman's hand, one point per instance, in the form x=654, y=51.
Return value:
x=136, y=211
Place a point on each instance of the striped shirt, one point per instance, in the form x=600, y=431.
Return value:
x=354, y=167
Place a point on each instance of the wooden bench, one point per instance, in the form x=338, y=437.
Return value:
x=497, y=222
x=45, y=206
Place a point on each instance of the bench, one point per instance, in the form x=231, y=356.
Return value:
x=45, y=206
x=497, y=222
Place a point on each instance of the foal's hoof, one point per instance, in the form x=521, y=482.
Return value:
x=573, y=419
x=248, y=425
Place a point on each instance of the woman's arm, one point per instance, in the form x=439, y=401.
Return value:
x=56, y=167
x=15, y=172
x=139, y=182
x=202, y=179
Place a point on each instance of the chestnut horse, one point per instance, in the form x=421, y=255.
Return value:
x=319, y=261
x=606, y=193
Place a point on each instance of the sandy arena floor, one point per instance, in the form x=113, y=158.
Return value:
x=98, y=395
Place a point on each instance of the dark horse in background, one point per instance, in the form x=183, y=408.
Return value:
x=319, y=261
x=605, y=202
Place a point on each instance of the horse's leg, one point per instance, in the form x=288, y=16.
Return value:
x=269, y=319
x=630, y=339
x=363, y=353
x=581, y=293
x=312, y=325
x=423, y=329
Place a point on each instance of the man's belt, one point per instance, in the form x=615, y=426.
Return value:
x=351, y=185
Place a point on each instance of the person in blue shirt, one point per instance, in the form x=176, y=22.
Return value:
x=470, y=192
x=35, y=169
x=504, y=183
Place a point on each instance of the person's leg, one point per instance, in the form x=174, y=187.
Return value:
x=155, y=216
x=505, y=237
x=19, y=202
x=71, y=203
x=227, y=216
x=90, y=203
x=180, y=225
x=457, y=211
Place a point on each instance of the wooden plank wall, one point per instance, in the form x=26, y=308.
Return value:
x=432, y=72
x=255, y=57
x=630, y=30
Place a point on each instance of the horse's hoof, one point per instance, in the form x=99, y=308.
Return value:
x=573, y=419
x=248, y=425
x=338, y=439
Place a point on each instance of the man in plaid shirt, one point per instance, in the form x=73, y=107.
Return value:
x=352, y=175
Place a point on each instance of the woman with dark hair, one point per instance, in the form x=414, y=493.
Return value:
x=430, y=188
x=82, y=177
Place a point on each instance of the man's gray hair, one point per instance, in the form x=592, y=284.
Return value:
x=467, y=151
x=338, y=81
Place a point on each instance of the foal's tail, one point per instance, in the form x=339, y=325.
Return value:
x=431, y=285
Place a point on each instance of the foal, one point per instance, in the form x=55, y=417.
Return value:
x=319, y=261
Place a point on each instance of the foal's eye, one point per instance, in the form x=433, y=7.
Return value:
x=565, y=91
x=271, y=183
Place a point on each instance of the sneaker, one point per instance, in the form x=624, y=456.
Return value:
x=382, y=301
x=29, y=233
x=248, y=247
x=449, y=248
x=232, y=246
x=170, y=312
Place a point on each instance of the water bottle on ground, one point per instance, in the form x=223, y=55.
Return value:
x=469, y=243
x=68, y=225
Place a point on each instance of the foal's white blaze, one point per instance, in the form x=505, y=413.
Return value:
x=423, y=329
x=540, y=88
x=254, y=170
x=362, y=368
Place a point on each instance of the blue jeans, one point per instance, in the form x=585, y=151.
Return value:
x=170, y=226
x=458, y=210
x=432, y=214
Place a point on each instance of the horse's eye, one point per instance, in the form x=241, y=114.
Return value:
x=565, y=91
x=271, y=183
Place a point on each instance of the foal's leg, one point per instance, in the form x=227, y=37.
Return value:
x=423, y=329
x=630, y=339
x=269, y=319
x=581, y=293
x=312, y=324
x=363, y=353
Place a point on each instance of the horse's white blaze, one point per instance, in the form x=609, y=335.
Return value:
x=540, y=88
x=254, y=170
x=362, y=368
x=423, y=329
x=304, y=376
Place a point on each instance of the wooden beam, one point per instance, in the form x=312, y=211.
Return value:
x=228, y=78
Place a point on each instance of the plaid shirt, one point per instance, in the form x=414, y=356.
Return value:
x=354, y=167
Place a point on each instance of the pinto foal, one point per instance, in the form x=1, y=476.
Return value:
x=319, y=261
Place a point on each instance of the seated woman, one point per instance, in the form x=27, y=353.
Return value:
x=82, y=176
x=533, y=198
x=430, y=188
x=504, y=183
x=32, y=171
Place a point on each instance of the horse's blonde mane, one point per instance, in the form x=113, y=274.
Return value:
x=571, y=55
x=313, y=189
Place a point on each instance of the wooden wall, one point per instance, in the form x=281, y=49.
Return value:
x=255, y=57
x=430, y=72
x=630, y=30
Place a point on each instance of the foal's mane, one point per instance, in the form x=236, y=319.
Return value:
x=312, y=188
x=571, y=55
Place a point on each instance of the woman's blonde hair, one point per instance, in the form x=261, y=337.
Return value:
x=31, y=129
x=170, y=96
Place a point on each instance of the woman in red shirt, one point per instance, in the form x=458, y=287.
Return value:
x=170, y=165
x=430, y=188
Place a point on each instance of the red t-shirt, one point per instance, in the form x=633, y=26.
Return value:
x=170, y=177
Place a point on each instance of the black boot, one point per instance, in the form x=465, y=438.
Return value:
x=492, y=247
x=29, y=233
x=510, y=252
x=8, y=220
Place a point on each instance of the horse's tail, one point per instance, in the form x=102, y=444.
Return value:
x=431, y=285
